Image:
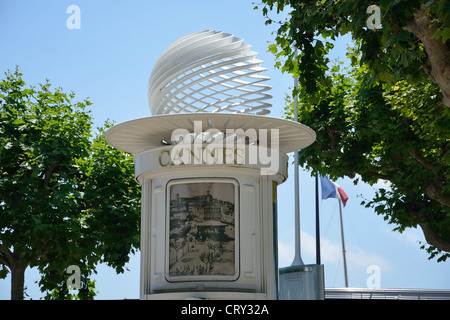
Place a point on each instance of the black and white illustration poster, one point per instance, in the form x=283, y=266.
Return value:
x=202, y=231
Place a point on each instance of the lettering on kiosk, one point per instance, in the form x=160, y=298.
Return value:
x=206, y=155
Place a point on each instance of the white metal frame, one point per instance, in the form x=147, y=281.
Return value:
x=236, y=273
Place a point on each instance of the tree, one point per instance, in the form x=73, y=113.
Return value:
x=65, y=198
x=387, y=117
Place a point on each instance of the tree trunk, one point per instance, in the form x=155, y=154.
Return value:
x=17, y=282
x=17, y=268
x=437, y=51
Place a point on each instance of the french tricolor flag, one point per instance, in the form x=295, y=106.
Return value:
x=331, y=189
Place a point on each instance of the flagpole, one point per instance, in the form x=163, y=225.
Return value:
x=343, y=245
x=317, y=222
x=297, y=258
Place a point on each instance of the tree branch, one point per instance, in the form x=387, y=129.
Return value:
x=433, y=238
x=6, y=256
x=380, y=175
x=3, y=260
x=434, y=191
x=417, y=156
x=49, y=172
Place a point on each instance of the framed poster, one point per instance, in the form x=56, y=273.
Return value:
x=202, y=230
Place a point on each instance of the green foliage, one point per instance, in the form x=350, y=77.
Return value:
x=370, y=130
x=391, y=52
x=65, y=198
x=383, y=118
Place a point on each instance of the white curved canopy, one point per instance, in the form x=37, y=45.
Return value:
x=152, y=132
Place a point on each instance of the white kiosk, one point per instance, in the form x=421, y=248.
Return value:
x=209, y=162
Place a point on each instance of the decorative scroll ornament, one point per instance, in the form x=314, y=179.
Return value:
x=208, y=71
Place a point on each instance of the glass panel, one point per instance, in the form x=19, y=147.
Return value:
x=202, y=231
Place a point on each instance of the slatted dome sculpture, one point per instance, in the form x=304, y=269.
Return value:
x=208, y=71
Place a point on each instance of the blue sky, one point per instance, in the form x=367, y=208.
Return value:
x=110, y=58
